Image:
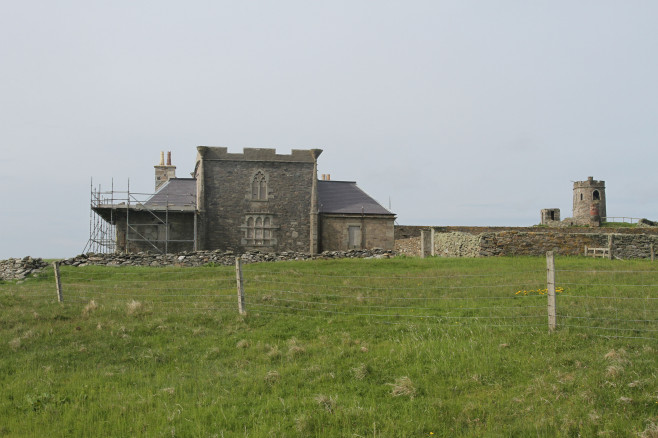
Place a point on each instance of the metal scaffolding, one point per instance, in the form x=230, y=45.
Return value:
x=102, y=232
x=109, y=208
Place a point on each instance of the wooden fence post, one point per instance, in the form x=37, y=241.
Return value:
x=58, y=282
x=550, y=285
x=238, y=277
x=609, y=246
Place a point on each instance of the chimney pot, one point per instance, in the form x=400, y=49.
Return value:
x=169, y=158
x=161, y=158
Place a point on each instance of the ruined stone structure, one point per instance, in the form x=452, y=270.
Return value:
x=550, y=215
x=588, y=206
x=255, y=200
x=589, y=201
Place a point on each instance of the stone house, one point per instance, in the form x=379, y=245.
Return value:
x=255, y=200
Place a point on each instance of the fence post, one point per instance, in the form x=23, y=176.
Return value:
x=58, y=282
x=422, y=244
x=432, y=251
x=238, y=277
x=609, y=246
x=550, y=285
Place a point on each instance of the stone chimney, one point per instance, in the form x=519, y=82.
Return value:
x=164, y=172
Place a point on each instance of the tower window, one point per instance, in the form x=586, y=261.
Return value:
x=595, y=195
x=259, y=187
x=581, y=196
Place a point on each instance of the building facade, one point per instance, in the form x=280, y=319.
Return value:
x=254, y=200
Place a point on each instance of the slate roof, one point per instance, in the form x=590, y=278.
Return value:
x=344, y=197
x=175, y=193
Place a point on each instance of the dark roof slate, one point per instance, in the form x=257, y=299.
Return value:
x=175, y=193
x=345, y=197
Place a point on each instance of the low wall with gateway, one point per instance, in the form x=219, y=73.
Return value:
x=623, y=243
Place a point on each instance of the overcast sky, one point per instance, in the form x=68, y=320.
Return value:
x=459, y=112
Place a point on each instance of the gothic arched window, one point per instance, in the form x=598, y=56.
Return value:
x=259, y=187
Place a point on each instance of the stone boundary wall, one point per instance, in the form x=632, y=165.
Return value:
x=217, y=257
x=512, y=243
x=19, y=269
x=471, y=241
x=457, y=244
x=406, y=231
x=408, y=247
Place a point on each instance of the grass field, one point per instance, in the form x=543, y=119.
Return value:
x=352, y=348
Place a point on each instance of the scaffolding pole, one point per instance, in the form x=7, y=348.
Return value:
x=105, y=214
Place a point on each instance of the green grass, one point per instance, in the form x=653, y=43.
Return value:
x=403, y=347
x=618, y=225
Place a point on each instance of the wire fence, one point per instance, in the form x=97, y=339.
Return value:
x=614, y=303
x=600, y=302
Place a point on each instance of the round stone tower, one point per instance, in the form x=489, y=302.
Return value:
x=589, y=200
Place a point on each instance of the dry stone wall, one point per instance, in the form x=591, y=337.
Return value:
x=217, y=257
x=408, y=247
x=514, y=242
x=19, y=269
x=456, y=244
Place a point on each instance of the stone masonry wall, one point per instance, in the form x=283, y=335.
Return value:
x=456, y=244
x=217, y=257
x=19, y=269
x=408, y=247
x=376, y=232
x=514, y=242
x=227, y=199
x=146, y=233
x=511, y=243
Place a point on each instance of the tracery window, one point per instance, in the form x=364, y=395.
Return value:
x=259, y=187
x=258, y=230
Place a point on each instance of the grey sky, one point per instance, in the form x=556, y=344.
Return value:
x=461, y=112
